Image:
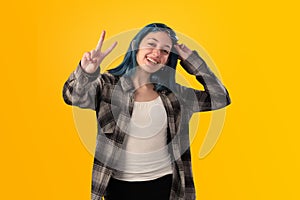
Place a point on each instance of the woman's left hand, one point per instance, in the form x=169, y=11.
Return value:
x=183, y=51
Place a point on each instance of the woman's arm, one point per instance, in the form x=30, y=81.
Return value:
x=85, y=82
x=81, y=88
x=214, y=96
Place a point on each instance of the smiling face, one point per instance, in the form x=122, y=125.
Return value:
x=154, y=51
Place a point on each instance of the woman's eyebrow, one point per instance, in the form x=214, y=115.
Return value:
x=166, y=45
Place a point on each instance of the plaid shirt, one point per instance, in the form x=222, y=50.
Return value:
x=112, y=99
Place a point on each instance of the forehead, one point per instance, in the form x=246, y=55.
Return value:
x=160, y=36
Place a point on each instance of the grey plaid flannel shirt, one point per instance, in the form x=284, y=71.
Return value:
x=112, y=99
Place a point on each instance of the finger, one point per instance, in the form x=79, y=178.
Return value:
x=178, y=48
x=183, y=47
x=179, y=51
x=94, y=60
x=100, y=42
x=93, y=53
x=84, y=56
x=87, y=56
x=107, y=51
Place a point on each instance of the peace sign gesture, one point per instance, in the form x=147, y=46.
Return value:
x=91, y=60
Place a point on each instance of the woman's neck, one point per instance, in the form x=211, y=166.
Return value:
x=144, y=89
x=140, y=78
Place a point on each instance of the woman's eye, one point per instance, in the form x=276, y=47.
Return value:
x=166, y=52
x=151, y=44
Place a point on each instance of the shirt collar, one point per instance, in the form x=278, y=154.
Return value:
x=126, y=83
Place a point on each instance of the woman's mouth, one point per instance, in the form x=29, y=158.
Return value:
x=151, y=60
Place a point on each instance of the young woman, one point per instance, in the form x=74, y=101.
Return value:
x=142, y=149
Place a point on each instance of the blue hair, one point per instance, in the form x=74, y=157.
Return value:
x=162, y=79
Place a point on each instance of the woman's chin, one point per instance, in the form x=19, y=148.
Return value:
x=150, y=68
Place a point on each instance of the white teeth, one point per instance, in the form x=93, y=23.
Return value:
x=153, y=61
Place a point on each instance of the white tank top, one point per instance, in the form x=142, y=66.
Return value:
x=146, y=156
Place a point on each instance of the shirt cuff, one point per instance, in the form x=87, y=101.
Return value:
x=79, y=72
x=83, y=76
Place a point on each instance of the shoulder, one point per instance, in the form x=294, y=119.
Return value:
x=109, y=78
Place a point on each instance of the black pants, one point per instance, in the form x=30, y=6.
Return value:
x=158, y=189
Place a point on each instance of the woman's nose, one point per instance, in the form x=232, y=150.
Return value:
x=156, y=52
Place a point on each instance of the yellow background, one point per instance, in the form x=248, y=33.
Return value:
x=254, y=44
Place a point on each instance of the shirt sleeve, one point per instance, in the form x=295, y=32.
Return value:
x=81, y=88
x=214, y=96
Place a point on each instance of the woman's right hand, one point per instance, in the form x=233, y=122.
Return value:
x=91, y=60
